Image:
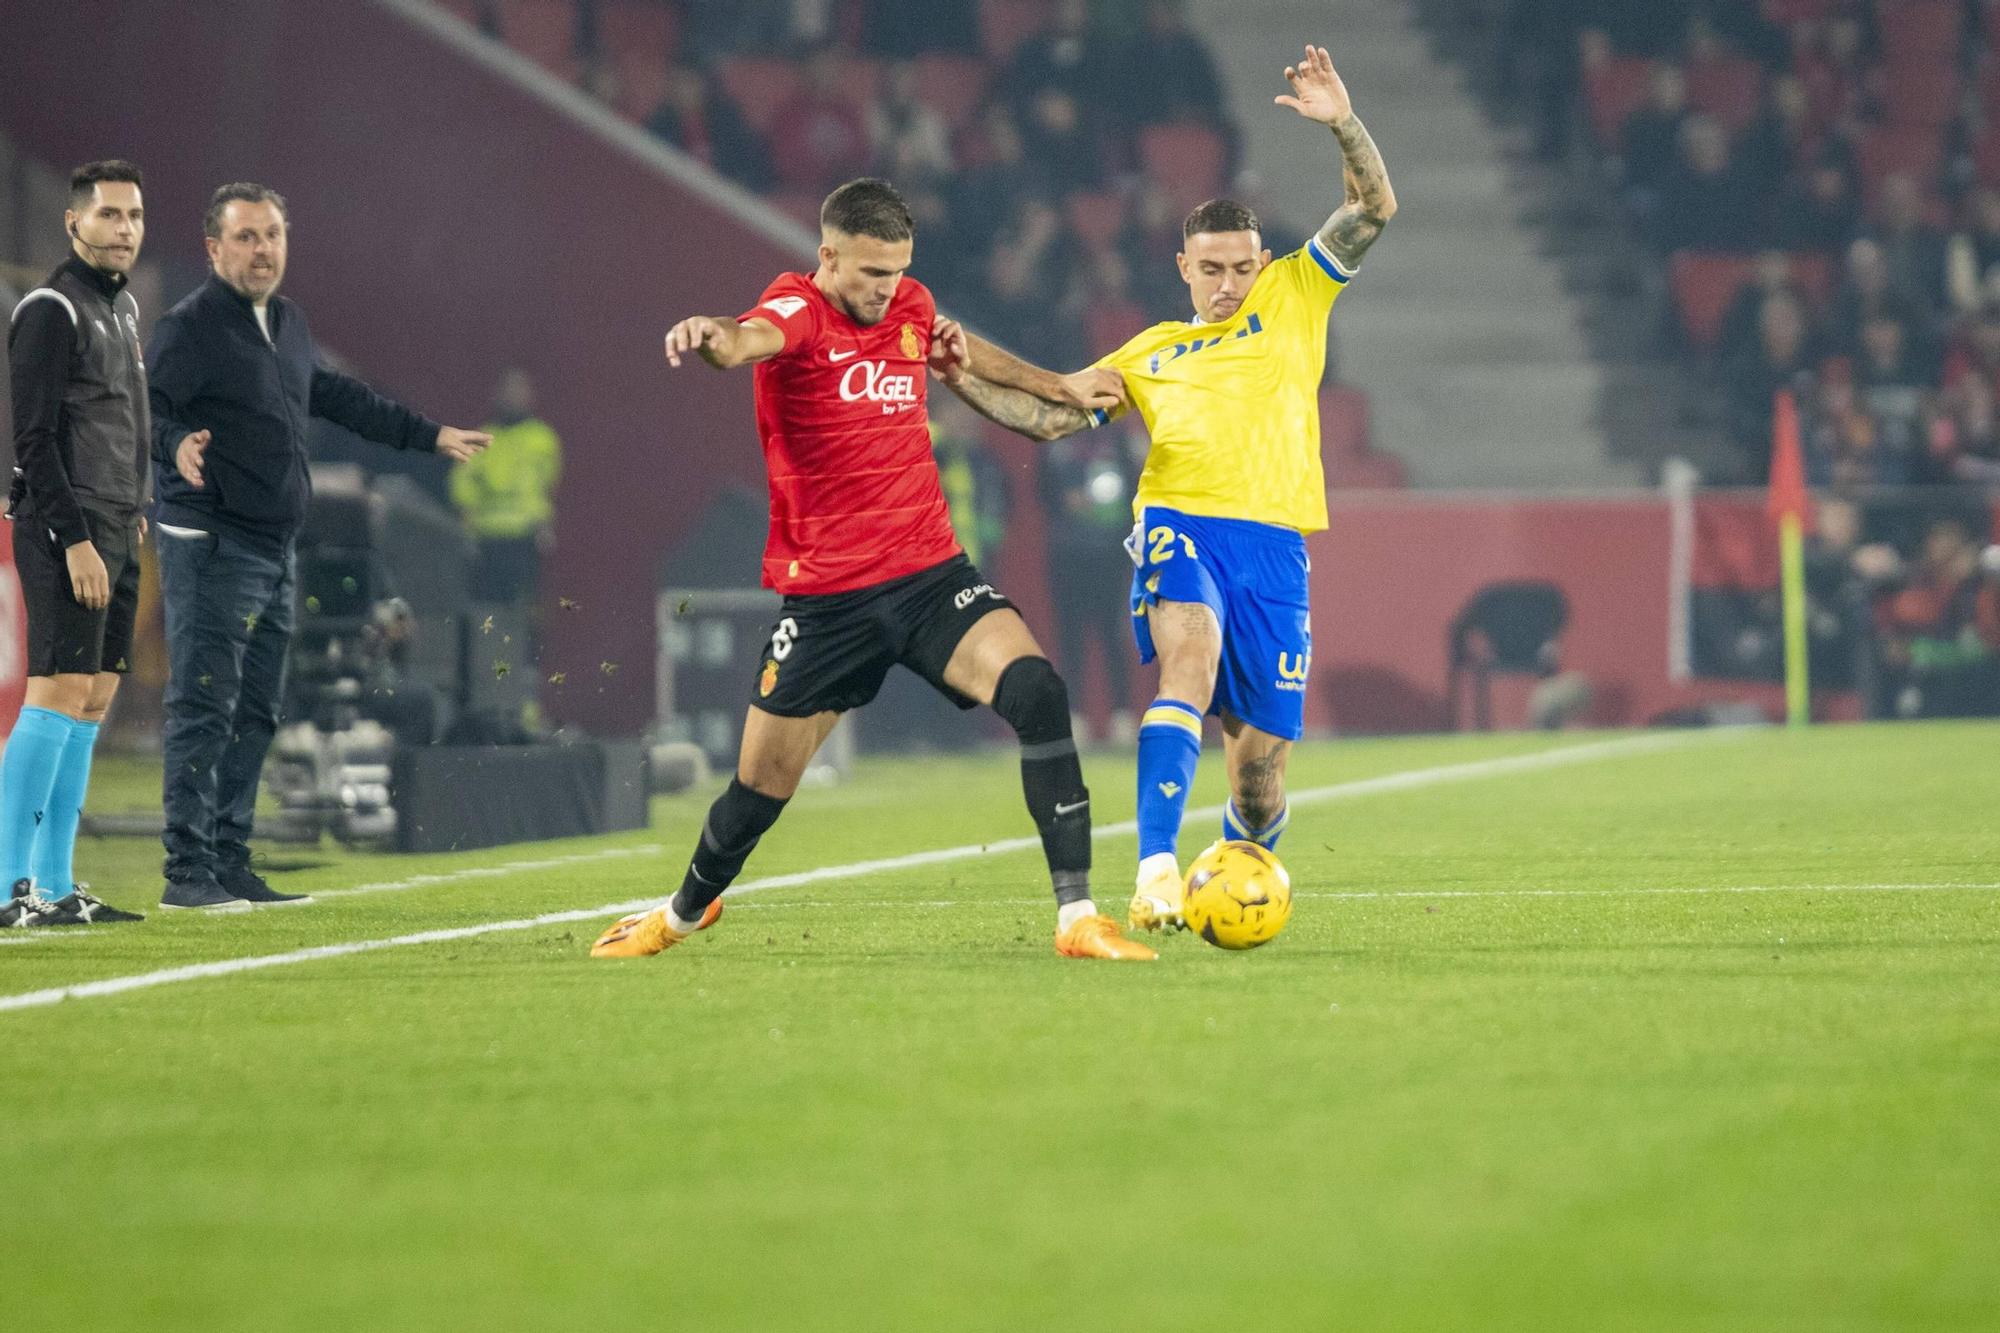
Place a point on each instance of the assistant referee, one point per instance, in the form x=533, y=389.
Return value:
x=80, y=488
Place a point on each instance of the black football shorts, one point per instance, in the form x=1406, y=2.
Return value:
x=830, y=652
x=64, y=635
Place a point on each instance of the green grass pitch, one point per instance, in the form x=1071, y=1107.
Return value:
x=1703, y=1036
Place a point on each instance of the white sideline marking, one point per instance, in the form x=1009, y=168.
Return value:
x=1404, y=781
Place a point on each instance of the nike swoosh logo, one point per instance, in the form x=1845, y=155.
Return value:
x=838, y=357
x=1072, y=809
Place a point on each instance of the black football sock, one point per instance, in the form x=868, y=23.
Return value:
x=1034, y=701
x=735, y=822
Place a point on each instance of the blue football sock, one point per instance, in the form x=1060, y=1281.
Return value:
x=53, y=861
x=1169, y=745
x=27, y=776
x=1266, y=837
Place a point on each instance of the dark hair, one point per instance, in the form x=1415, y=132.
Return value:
x=1219, y=215
x=240, y=192
x=86, y=177
x=868, y=207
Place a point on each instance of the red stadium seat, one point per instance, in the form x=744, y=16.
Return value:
x=1704, y=285
x=1729, y=89
x=1096, y=217
x=545, y=32
x=1612, y=92
x=1917, y=31
x=1187, y=160
x=1344, y=426
x=1916, y=151
x=1005, y=24
x=760, y=85
x=1816, y=273
x=860, y=79
x=951, y=85
x=641, y=84
x=465, y=11
x=1924, y=95
x=1986, y=158
x=633, y=29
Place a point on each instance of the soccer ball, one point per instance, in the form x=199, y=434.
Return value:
x=1238, y=896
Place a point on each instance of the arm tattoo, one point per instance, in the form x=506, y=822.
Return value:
x=1020, y=411
x=1370, y=201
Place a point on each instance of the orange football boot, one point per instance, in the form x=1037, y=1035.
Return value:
x=1098, y=937
x=644, y=934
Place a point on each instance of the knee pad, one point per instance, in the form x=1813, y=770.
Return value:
x=1034, y=701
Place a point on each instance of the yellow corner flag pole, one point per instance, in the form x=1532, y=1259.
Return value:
x=1789, y=504
x=1792, y=571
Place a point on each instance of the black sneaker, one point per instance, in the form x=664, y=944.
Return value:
x=19, y=902
x=248, y=885
x=203, y=894
x=84, y=908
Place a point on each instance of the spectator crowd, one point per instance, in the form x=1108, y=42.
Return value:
x=1821, y=181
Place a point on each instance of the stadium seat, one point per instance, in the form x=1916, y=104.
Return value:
x=1784, y=13
x=545, y=32
x=951, y=86
x=1005, y=24
x=1704, y=285
x=1986, y=158
x=760, y=85
x=465, y=11
x=1920, y=31
x=1612, y=91
x=1729, y=89
x=641, y=84
x=1186, y=159
x=1096, y=217
x=860, y=79
x=1817, y=273
x=1916, y=151
x=634, y=29
x=1344, y=426
x=1926, y=96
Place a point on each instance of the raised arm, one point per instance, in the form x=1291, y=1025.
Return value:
x=1318, y=94
x=724, y=343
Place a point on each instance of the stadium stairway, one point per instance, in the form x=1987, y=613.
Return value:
x=1470, y=348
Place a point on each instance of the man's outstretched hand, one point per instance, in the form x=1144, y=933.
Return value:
x=1317, y=92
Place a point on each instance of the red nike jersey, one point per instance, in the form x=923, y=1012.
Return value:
x=855, y=498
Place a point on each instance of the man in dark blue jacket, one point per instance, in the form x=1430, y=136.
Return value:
x=234, y=379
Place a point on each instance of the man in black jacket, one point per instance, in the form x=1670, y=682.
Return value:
x=79, y=489
x=234, y=380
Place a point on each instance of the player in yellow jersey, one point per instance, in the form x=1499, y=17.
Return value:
x=1231, y=486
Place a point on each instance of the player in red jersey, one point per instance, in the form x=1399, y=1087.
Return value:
x=862, y=550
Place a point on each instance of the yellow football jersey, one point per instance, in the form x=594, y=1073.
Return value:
x=1233, y=408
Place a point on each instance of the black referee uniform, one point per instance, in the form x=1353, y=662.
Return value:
x=81, y=436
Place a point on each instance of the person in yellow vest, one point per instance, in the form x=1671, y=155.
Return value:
x=507, y=501
x=973, y=480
